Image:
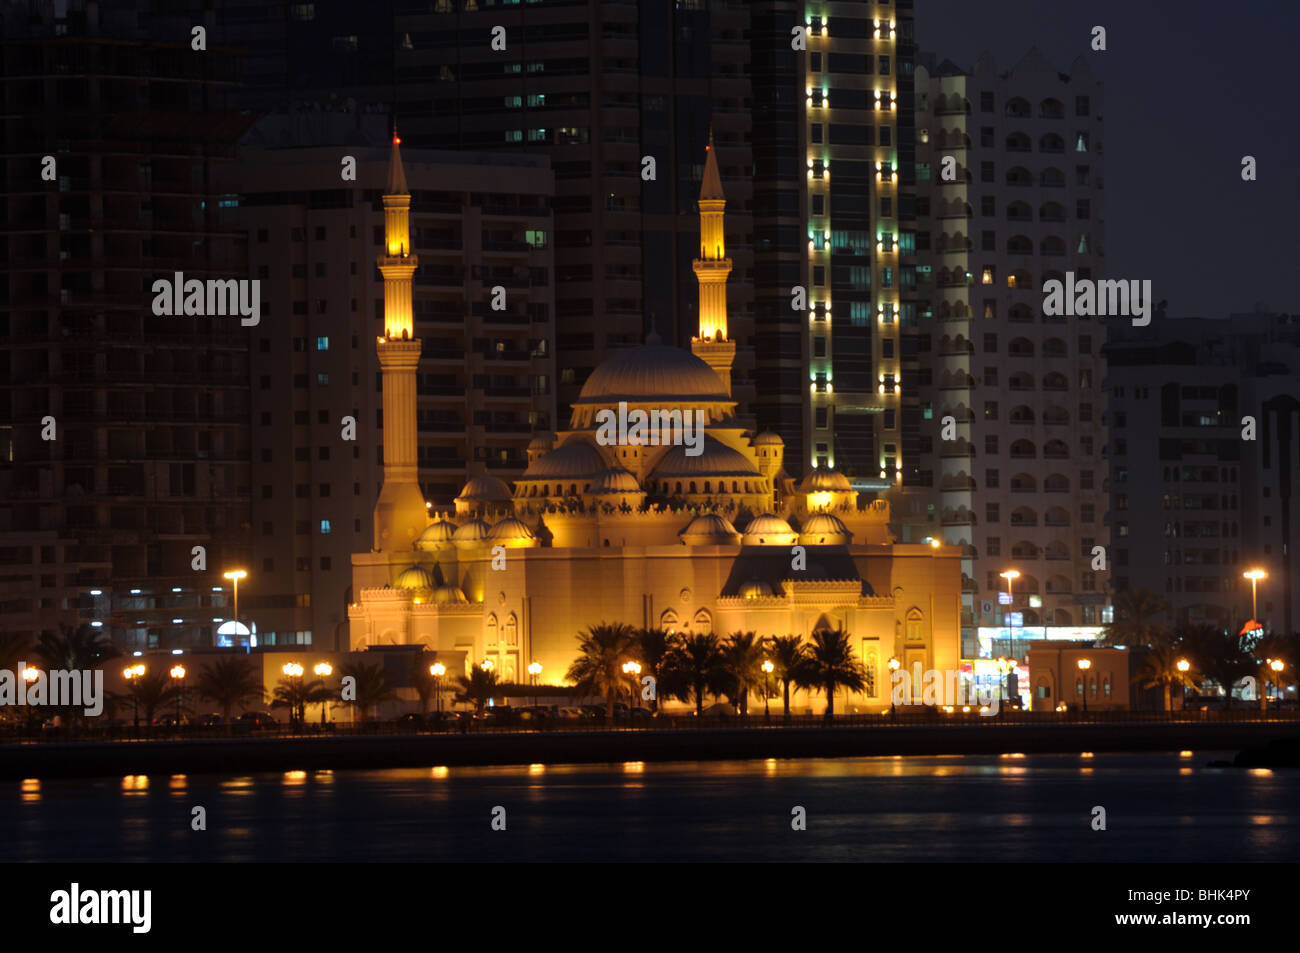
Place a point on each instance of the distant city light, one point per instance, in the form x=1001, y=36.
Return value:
x=178, y=651
x=176, y=588
x=135, y=592
x=96, y=592
x=137, y=654
x=96, y=625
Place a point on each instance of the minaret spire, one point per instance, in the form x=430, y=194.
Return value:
x=711, y=270
x=400, y=513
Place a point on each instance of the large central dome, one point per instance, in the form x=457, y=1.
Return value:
x=653, y=372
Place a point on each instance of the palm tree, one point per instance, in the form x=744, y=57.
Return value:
x=598, y=670
x=742, y=654
x=1159, y=669
x=696, y=662
x=15, y=647
x=1136, y=614
x=230, y=682
x=831, y=664
x=152, y=690
x=369, y=688
x=478, y=686
x=651, y=650
x=296, y=693
x=1220, y=655
x=74, y=649
x=1275, y=645
x=788, y=655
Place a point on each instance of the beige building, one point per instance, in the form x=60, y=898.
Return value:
x=671, y=527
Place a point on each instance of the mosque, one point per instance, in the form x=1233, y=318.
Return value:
x=705, y=538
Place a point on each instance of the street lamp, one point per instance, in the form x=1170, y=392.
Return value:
x=1009, y=575
x=234, y=576
x=323, y=671
x=1276, y=664
x=1005, y=665
x=130, y=673
x=1085, y=664
x=632, y=670
x=1184, y=667
x=767, y=668
x=178, y=673
x=293, y=670
x=894, y=665
x=438, y=670
x=1254, y=575
x=534, y=669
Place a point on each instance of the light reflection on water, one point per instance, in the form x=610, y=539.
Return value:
x=1160, y=807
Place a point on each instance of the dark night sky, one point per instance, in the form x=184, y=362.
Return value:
x=1189, y=87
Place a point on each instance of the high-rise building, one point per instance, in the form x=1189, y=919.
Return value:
x=485, y=373
x=1012, y=435
x=1204, y=455
x=124, y=433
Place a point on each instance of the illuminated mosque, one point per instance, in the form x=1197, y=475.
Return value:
x=716, y=541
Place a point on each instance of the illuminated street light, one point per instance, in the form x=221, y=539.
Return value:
x=894, y=665
x=178, y=673
x=438, y=670
x=1010, y=575
x=767, y=668
x=1254, y=575
x=234, y=576
x=534, y=670
x=1184, y=667
x=1084, y=664
x=130, y=673
x=323, y=670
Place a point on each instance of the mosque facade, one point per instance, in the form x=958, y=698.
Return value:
x=644, y=527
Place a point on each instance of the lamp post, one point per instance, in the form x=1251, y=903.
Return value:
x=1184, y=667
x=1254, y=575
x=130, y=673
x=438, y=670
x=534, y=670
x=894, y=665
x=293, y=670
x=1084, y=664
x=1276, y=664
x=30, y=675
x=234, y=576
x=323, y=671
x=632, y=670
x=768, y=668
x=178, y=673
x=1005, y=665
x=1009, y=575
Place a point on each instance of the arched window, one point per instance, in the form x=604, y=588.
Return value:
x=704, y=621
x=668, y=620
x=915, y=631
x=493, y=636
x=512, y=630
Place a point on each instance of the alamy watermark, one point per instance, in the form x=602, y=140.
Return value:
x=1087, y=297
x=942, y=688
x=654, y=428
x=177, y=296
x=58, y=688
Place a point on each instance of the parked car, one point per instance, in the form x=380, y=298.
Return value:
x=412, y=721
x=209, y=720
x=638, y=713
x=594, y=712
x=171, y=721
x=570, y=713
x=255, y=720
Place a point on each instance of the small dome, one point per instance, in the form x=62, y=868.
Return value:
x=823, y=529
x=472, y=532
x=767, y=439
x=576, y=460
x=755, y=589
x=542, y=441
x=414, y=577
x=616, y=480
x=436, y=534
x=485, y=487
x=709, y=529
x=769, y=530
x=822, y=480
x=509, y=529
x=449, y=595
x=715, y=459
x=653, y=371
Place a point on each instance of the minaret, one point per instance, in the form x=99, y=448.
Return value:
x=711, y=270
x=400, y=513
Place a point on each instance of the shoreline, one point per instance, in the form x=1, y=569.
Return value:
x=55, y=760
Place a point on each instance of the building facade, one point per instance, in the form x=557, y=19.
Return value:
x=1012, y=452
x=1181, y=392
